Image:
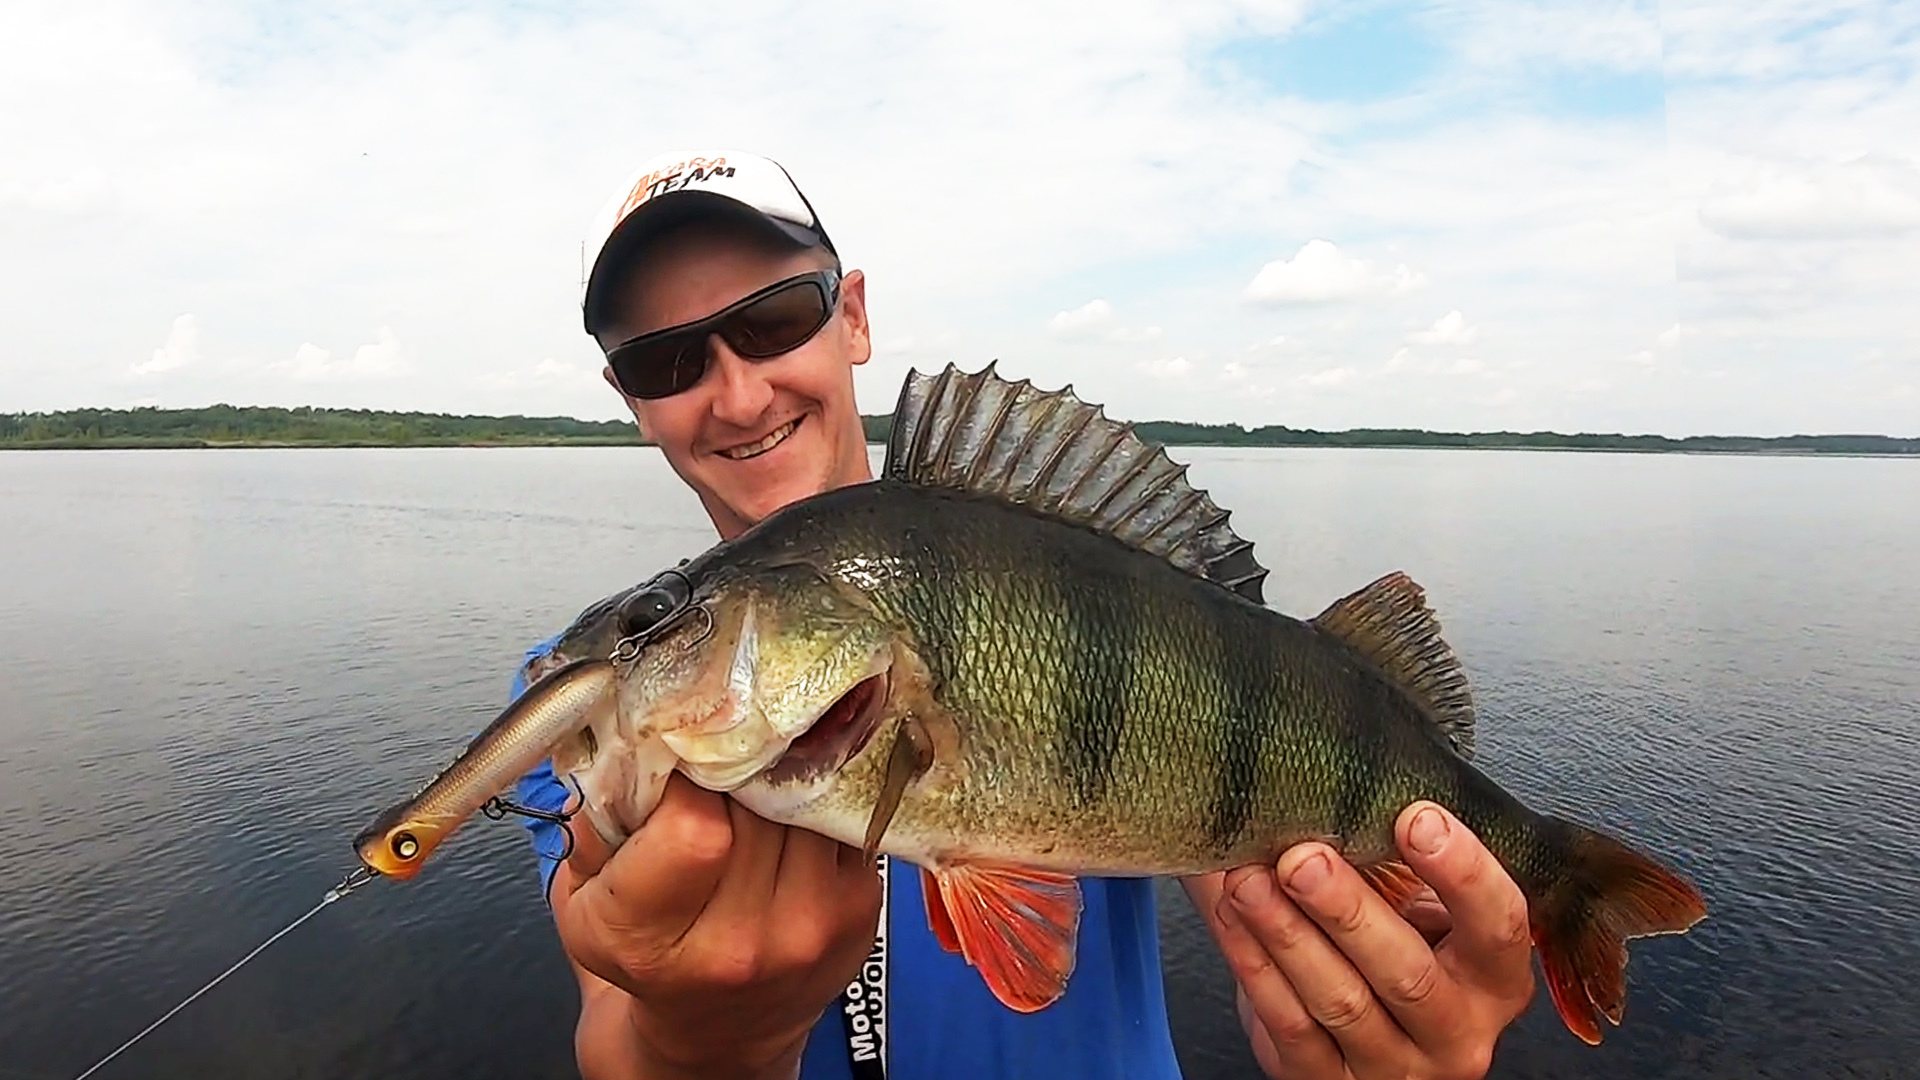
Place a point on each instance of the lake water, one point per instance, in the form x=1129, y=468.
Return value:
x=217, y=665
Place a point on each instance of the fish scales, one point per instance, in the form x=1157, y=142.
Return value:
x=1031, y=652
x=1120, y=714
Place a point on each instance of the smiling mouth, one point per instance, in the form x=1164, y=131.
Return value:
x=755, y=449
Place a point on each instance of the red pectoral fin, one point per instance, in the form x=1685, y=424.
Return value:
x=1017, y=926
x=937, y=917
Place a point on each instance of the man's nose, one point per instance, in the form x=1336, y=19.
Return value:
x=741, y=391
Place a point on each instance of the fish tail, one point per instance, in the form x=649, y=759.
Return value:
x=1604, y=893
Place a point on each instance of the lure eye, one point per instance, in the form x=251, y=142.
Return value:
x=404, y=846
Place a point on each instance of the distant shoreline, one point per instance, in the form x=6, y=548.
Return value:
x=227, y=427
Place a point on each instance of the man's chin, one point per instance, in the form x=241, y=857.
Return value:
x=764, y=500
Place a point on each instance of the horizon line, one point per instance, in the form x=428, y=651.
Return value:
x=888, y=416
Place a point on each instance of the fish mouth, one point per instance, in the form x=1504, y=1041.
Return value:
x=840, y=733
x=760, y=446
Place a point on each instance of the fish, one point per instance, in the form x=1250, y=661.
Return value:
x=1032, y=652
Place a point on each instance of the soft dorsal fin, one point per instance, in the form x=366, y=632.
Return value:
x=1389, y=623
x=1051, y=452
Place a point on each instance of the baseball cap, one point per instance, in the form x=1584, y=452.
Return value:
x=677, y=186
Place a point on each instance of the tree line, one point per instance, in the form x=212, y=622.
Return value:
x=229, y=425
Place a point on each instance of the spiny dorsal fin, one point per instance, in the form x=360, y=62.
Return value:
x=1052, y=452
x=1389, y=623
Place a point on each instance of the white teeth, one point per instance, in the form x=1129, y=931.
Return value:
x=755, y=449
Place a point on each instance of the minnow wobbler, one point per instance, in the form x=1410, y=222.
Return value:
x=1030, y=652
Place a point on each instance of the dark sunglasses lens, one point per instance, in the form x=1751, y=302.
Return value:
x=779, y=323
x=661, y=368
x=664, y=364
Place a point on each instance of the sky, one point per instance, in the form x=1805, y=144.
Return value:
x=1679, y=218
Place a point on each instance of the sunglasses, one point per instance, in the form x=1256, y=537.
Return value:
x=778, y=319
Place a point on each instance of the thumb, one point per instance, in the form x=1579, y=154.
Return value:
x=590, y=852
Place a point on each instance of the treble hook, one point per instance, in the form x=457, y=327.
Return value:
x=705, y=633
x=497, y=808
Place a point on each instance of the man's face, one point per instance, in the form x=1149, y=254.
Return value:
x=752, y=435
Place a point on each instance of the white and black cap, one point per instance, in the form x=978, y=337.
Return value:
x=675, y=187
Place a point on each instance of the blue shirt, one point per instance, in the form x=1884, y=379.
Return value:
x=942, y=1021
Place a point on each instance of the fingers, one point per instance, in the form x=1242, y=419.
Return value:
x=1286, y=1038
x=814, y=866
x=1325, y=915
x=745, y=886
x=830, y=904
x=1428, y=915
x=589, y=852
x=1336, y=982
x=1490, y=940
x=651, y=891
x=1385, y=952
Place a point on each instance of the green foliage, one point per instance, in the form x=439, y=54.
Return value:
x=1175, y=433
x=227, y=425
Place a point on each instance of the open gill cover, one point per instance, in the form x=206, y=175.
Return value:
x=1050, y=451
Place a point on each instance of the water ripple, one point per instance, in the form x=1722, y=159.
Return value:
x=221, y=665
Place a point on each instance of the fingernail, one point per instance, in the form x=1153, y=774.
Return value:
x=1310, y=875
x=1428, y=832
x=1255, y=890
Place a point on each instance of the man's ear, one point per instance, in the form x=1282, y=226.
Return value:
x=633, y=405
x=853, y=308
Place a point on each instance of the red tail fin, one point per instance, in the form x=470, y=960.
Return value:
x=1606, y=893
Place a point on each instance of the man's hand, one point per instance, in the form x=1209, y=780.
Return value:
x=711, y=941
x=1335, y=983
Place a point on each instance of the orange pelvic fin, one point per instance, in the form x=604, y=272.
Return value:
x=1395, y=881
x=937, y=917
x=1607, y=893
x=1015, y=924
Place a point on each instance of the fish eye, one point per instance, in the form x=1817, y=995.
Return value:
x=656, y=601
x=404, y=845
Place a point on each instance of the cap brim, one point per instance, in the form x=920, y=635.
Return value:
x=664, y=213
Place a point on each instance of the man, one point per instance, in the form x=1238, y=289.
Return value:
x=713, y=943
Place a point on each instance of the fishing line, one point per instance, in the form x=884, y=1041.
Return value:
x=351, y=882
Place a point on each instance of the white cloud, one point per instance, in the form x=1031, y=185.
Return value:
x=1500, y=34
x=1406, y=361
x=1871, y=196
x=549, y=369
x=175, y=157
x=1331, y=377
x=80, y=192
x=1176, y=368
x=1320, y=273
x=548, y=372
x=1094, y=320
x=1083, y=320
x=1449, y=329
x=182, y=348
x=382, y=358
